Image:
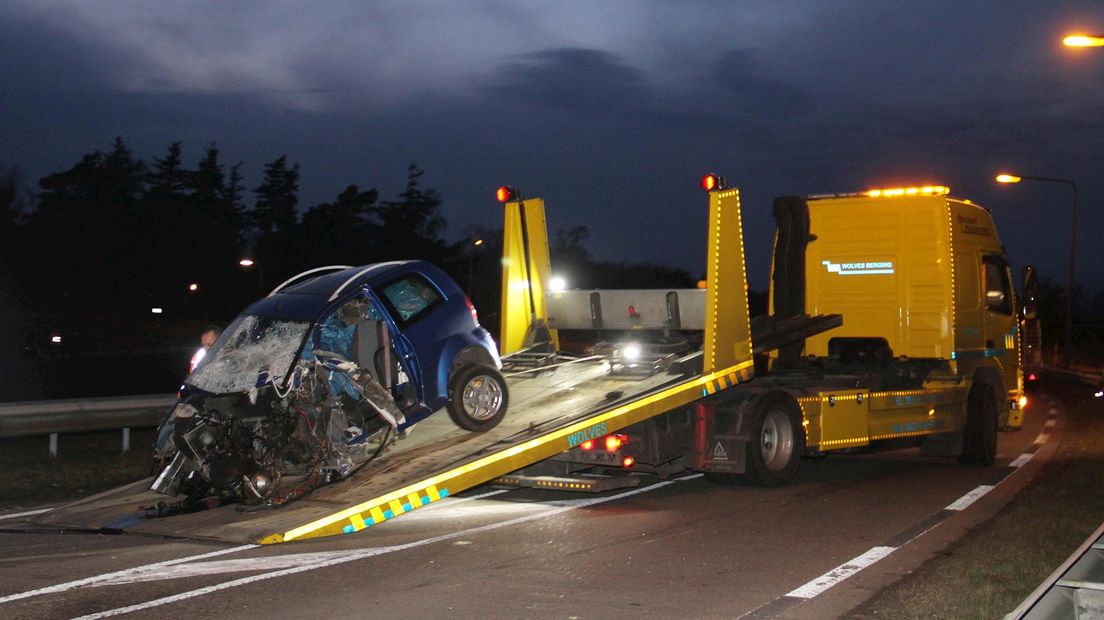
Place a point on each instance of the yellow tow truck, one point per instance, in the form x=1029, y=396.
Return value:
x=893, y=319
x=927, y=350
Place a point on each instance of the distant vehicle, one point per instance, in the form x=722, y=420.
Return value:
x=317, y=378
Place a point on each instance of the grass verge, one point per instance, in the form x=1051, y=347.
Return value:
x=998, y=564
x=87, y=463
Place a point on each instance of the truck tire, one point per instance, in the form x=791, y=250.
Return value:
x=477, y=397
x=979, y=437
x=777, y=441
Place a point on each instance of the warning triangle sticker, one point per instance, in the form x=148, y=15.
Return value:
x=719, y=452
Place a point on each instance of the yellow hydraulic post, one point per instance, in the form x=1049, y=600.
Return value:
x=727, y=320
x=525, y=272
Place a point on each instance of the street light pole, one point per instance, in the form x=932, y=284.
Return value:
x=247, y=263
x=1012, y=178
x=477, y=243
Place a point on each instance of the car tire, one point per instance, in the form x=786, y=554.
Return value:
x=477, y=397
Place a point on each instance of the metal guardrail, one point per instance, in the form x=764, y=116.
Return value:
x=1083, y=373
x=81, y=415
x=1076, y=589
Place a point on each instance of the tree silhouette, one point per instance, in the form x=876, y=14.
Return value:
x=90, y=215
x=275, y=219
x=411, y=227
x=342, y=232
x=214, y=239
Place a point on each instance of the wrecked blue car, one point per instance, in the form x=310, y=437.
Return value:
x=317, y=378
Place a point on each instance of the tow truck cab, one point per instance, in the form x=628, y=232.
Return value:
x=921, y=280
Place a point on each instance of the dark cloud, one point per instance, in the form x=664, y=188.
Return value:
x=610, y=110
x=579, y=80
x=737, y=73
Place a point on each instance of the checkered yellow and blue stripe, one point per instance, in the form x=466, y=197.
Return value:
x=388, y=510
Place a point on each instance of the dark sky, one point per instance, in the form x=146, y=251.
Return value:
x=609, y=110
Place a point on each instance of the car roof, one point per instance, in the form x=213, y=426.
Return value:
x=305, y=300
x=328, y=283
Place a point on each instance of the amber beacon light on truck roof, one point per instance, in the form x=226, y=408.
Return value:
x=894, y=192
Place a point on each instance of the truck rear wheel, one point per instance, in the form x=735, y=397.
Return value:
x=477, y=398
x=777, y=440
x=979, y=437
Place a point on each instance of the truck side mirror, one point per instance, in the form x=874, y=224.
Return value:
x=995, y=300
x=1030, y=292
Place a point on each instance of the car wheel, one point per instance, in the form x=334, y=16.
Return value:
x=477, y=398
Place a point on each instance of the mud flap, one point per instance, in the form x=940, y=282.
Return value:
x=719, y=446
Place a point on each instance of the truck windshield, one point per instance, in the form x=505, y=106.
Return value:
x=251, y=345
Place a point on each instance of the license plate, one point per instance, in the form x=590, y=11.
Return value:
x=594, y=457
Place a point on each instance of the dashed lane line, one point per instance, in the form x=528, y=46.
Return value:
x=848, y=569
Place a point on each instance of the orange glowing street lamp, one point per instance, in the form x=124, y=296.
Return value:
x=1008, y=178
x=1083, y=40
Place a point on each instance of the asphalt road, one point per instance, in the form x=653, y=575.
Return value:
x=850, y=525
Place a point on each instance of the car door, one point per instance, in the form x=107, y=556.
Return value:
x=406, y=369
x=415, y=303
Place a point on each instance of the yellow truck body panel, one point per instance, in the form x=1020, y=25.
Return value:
x=925, y=273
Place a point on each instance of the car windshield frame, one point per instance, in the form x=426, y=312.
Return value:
x=252, y=347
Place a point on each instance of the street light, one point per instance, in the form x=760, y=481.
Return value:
x=249, y=262
x=1083, y=40
x=475, y=244
x=1012, y=178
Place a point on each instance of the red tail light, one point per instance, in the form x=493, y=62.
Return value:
x=1032, y=377
x=627, y=461
x=587, y=445
x=614, y=442
x=471, y=309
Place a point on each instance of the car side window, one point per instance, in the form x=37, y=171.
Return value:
x=998, y=288
x=411, y=297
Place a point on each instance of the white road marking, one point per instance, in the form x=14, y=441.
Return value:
x=963, y=502
x=150, y=572
x=447, y=508
x=841, y=572
x=16, y=515
x=1053, y=411
x=218, y=567
x=350, y=556
x=1050, y=423
x=90, y=581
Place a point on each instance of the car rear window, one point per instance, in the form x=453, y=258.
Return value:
x=411, y=297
